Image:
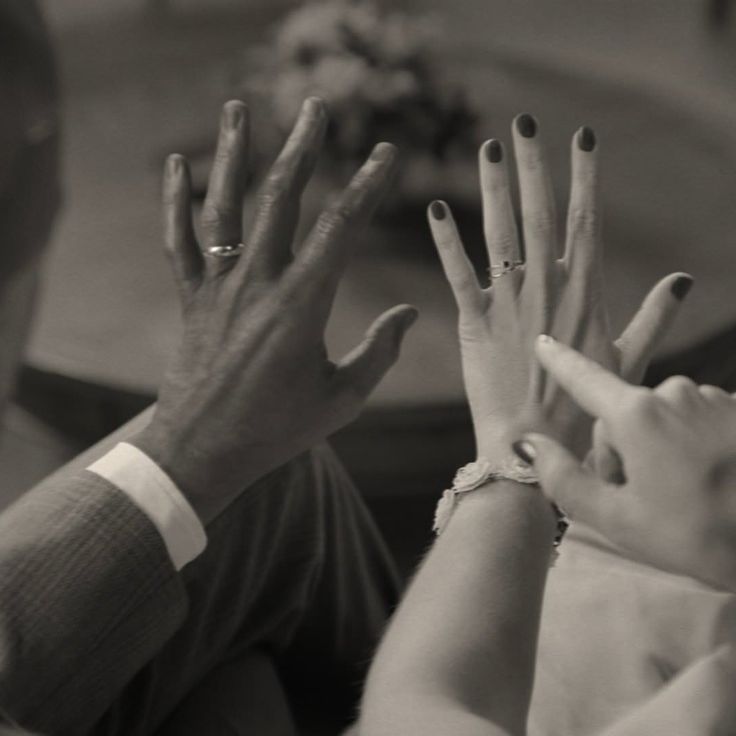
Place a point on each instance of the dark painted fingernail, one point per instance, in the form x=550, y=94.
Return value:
x=525, y=451
x=494, y=151
x=681, y=287
x=586, y=139
x=383, y=152
x=232, y=115
x=438, y=210
x=526, y=125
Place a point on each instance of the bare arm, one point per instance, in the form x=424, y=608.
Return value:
x=459, y=654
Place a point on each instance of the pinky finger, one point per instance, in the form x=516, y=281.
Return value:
x=455, y=263
x=179, y=238
x=361, y=370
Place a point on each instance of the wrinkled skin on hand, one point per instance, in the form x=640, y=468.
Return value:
x=251, y=385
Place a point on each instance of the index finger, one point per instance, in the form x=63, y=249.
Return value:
x=598, y=391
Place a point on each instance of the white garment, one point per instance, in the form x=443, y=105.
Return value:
x=613, y=633
x=151, y=489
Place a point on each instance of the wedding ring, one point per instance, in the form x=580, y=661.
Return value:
x=500, y=269
x=225, y=251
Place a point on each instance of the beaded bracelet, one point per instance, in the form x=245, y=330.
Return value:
x=478, y=473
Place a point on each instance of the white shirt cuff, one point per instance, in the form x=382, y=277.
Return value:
x=148, y=486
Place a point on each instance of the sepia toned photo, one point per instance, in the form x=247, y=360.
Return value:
x=367, y=368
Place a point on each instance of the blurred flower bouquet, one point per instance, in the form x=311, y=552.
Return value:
x=375, y=69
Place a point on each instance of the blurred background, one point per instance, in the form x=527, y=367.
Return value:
x=139, y=79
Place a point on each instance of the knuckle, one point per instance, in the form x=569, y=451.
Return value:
x=273, y=193
x=541, y=221
x=223, y=155
x=534, y=159
x=641, y=405
x=677, y=383
x=584, y=222
x=213, y=214
x=336, y=218
x=677, y=388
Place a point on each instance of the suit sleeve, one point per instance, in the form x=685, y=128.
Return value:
x=88, y=595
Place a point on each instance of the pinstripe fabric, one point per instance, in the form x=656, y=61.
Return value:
x=99, y=635
x=87, y=596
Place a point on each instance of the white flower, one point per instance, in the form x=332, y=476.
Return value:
x=472, y=475
x=443, y=512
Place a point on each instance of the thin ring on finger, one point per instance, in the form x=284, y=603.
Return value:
x=225, y=251
x=221, y=259
x=497, y=270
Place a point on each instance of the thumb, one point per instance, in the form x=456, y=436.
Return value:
x=362, y=368
x=564, y=480
x=649, y=325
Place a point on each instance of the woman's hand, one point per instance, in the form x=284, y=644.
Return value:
x=251, y=385
x=546, y=294
x=675, y=504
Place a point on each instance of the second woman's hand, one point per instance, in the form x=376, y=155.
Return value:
x=675, y=504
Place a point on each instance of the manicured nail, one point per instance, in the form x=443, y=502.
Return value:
x=526, y=125
x=438, y=210
x=681, y=287
x=493, y=151
x=409, y=318
x=383, y=152
x=586, y=139
x=524, y=450
x=174, y=165
x=402, y=325
x=313, y=106
x=232, y=115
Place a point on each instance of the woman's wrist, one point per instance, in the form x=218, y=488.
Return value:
x=521, y=504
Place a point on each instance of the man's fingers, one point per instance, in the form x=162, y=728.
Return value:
x=639, y=340
x=598, y=391
x=455, y=262
x=179, y=238
x=321, y=261
x=573, y=487
x=223, y=206
x=499, y=224
x=537, y=206
x=360, y=371
x=582, y=249
x=277, y=214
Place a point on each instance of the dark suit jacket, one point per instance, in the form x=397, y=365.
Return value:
x=88, y=595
